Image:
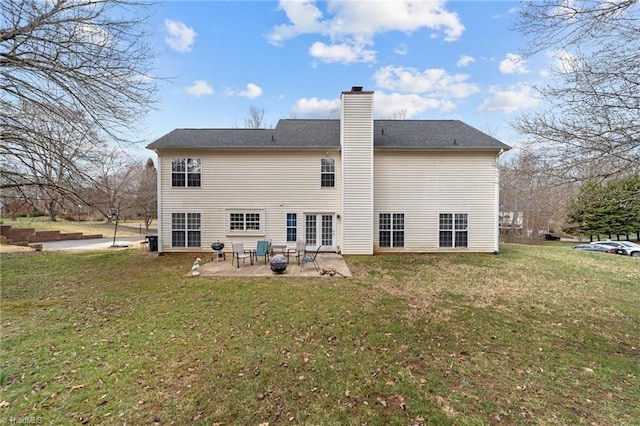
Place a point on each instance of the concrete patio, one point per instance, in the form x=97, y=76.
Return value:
x=329, y=262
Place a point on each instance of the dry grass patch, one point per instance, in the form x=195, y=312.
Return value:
x=129, y=228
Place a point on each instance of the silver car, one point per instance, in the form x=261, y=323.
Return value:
x=629, y=248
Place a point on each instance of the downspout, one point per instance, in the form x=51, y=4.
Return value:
x=159, y=201
x=497, y=204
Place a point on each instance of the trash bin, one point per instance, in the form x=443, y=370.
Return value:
x=153, y=242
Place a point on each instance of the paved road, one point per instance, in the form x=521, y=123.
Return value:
x=93, y=244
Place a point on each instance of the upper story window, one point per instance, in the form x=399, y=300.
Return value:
x=327, y=172
x=186, y=172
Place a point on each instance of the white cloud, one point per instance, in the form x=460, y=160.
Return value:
x=567, y=10
x=507, y=101
x=358, y=18
x=315, y=107
x=141, y=78
x=199, y=88
x=511, y=11
x=465, y=60
x=304, y=17
x=434, y=81
x=356, y=23
x=513, y=64
x=563, y=61
x=342, y=53
x=401, y=49
x=181, y=37
x=388, y=104
x=94, y=33
x=253, y=91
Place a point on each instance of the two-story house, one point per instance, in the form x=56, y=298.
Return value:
x=353, y=185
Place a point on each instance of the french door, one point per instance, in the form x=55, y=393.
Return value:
x=319, y=229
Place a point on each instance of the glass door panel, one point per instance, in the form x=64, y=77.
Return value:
x=320, y=230
x=311, y=227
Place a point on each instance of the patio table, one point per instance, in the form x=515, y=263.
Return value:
x=280, y=249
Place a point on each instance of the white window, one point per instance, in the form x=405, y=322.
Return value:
x=185, y=230
x=454, y=230
x=327, y=172
x=186, y=172
x=245, y=221
x=292, y=227
x=391, y=230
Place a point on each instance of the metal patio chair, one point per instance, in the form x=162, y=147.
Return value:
x=310, y=257
x=240, y=253
x=262, y=249
x=301, y=247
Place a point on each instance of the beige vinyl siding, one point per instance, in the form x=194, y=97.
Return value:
x=357, y=169
x=424, y=184
x=272, y=182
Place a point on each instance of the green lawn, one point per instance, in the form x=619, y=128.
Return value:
x=536, y=335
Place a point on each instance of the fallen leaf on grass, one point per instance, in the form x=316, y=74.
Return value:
x=76, y=387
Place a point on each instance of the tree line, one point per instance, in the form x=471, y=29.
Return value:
x=117, y=185
x=611, y=209
x=75, y=79
x=578, y=170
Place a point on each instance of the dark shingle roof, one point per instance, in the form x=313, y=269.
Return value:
x=325, y=134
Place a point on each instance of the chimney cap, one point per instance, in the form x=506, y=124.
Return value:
x=356, y=90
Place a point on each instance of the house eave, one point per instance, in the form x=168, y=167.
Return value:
x=444, y=148
x=333, y=148
x=248, y=148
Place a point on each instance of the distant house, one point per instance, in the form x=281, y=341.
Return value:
x=510, y=217
x=354, y=185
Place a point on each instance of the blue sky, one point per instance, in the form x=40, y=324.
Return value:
x=423, y=60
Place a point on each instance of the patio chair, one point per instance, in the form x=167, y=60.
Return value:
x=301, y=246
x=310, y=257
x=240, y=253
x=262, y=249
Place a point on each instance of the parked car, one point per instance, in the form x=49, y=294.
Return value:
x=627, y=247
x=551, y=237
x=599, y=248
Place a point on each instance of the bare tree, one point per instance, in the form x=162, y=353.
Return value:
x=532, y=200
x=399, y=114
x=590, y=119
x=254, y=121
x=87, y=56
x=114, y=186
x=334, y=113
x=50, y=169
x=146, y=194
